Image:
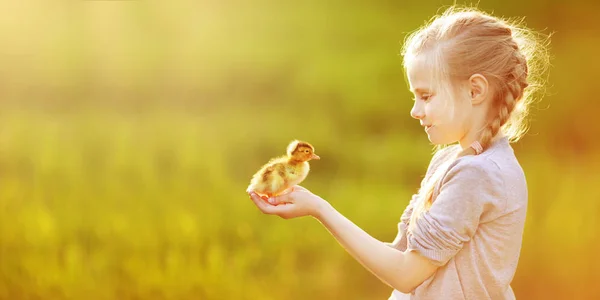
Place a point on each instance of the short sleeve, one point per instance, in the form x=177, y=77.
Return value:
x=469, y=188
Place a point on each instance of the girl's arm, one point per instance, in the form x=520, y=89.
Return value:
x=403, y=271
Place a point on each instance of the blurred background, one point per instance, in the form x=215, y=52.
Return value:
x=129, y=131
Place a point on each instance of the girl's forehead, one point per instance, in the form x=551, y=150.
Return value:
x=425, y=71
x=420, y=74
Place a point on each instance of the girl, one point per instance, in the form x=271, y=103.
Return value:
x=473, y=76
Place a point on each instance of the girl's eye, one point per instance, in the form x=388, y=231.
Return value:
x=423, y=97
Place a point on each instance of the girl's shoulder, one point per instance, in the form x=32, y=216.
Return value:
x=498, y=161
x=498, y=164
x=495, y=175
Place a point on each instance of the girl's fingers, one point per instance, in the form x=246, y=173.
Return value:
x=250, y=192
x=261, y=204
x=285, y=198
x=282, y=210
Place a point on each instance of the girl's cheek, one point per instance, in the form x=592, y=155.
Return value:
x=430, y=110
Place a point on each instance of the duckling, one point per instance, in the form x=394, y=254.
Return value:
x=280, y=174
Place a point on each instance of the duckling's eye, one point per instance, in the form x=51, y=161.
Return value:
x=305, y=151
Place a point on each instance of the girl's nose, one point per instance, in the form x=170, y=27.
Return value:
x=417, y=111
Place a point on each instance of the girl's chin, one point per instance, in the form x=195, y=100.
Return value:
x=438, y=140
x=433, y=138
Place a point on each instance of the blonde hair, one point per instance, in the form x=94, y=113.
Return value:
x=514, y=60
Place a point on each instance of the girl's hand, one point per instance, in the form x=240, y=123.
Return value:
x=297, y=203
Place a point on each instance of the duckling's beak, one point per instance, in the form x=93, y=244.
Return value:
x=314, y=156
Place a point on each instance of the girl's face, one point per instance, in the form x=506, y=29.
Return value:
x=443, y=114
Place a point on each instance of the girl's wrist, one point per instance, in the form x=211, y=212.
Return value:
x=321, y=209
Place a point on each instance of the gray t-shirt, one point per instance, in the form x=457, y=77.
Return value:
x=474, y=228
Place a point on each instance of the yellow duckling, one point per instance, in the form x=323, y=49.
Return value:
x=283, y=172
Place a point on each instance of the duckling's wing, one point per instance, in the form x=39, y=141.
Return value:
x=265, y=180
x=278, y=177
x=269, y=179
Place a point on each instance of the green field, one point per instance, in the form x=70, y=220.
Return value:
x=129, y=131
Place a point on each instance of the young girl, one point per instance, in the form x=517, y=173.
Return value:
x=473, y=76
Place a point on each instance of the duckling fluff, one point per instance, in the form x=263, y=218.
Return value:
x=283, y=172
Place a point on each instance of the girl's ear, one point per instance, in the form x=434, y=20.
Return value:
x=479, y=88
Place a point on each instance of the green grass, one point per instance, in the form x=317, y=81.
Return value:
x=129, y=132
